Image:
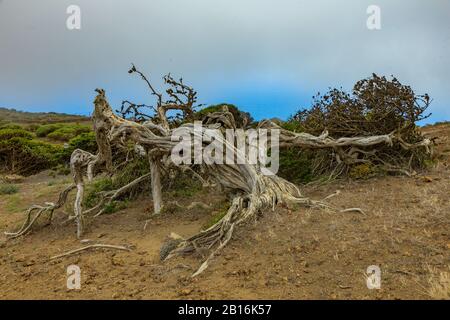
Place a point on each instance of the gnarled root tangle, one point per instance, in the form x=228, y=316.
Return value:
x=267, y=193
x=38, y=211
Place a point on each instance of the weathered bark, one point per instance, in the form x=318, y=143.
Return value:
x=156, y=185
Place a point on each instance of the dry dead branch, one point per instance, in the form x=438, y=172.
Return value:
x=92, y=246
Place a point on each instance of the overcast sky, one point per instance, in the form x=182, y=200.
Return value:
x=266, y=56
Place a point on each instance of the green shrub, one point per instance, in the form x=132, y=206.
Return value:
x=26, y=156
x=10, y=126
x=85, y=141
x=182, y=184
x=239, y=116
x=132, y=170
x=293, y=126
x=61, y=131
x=21, y=153
x=44, y=130
x=295, y=165
x=92, y=191
x=8, y=189
x=375, y=106
x=62, y=169
x=32, y=127
x=93, y=195
x=8, y=133
x=66, y=133
x=115, y=206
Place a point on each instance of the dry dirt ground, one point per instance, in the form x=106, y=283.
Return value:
x=291, y=253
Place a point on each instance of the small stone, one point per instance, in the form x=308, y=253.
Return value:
x=186, y=292
x=116, y=261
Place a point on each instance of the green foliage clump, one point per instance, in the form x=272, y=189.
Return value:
x=115, y=206
x=62, y=169
x=85, y=141
x=68, y=132
x=133, y=170
x=32, y=127
x=240, y=117
x=293, y=126
x=182, y=184
x=8, y=189
x=10, y=126
x=44, y=130
x=23, y=152
x=9, y=133
x=61, y=131
x=93, y=190
x=20, y=153
x=295, y=165
x=376, y=106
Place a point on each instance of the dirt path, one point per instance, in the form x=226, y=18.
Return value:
x=291, y=253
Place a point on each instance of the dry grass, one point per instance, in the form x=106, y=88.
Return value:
x=439, y=284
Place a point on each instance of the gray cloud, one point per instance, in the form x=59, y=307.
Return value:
x=268, y=56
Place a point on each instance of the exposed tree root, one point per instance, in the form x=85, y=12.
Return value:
x=38, y=210
x=267, y=193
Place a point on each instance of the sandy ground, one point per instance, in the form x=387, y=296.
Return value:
x=290, y=253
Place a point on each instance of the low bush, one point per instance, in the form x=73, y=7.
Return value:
x=10, y=126
x=92, y=191
x=61, y=131
x=44, y=130
x=241, y=118
x=181, y=184
x=8, y=189
x=376, y=106
x=85, y=141
x=66, y=133
x=296, y=165
x=24, y=155
x=9, y=133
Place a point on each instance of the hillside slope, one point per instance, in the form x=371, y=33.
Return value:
x=15, y=116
